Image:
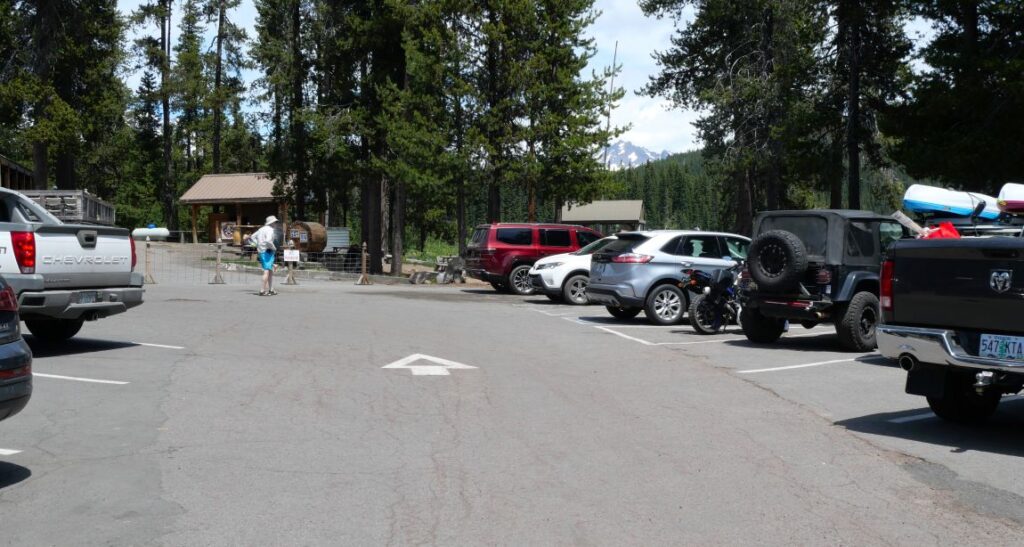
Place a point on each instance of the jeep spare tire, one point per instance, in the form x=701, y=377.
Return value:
x=777, y=261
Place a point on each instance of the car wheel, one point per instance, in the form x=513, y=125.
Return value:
x=702, y=315
x=54, y=331
x=665, y=305
x=760, y=329
x=575, y=290
x=961, y=403
x=623, y=313
x=519, y=280
x=856, y=327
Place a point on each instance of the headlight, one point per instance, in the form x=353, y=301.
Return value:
x=549, y=265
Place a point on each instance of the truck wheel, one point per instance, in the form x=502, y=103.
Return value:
x=623, y=313
x=856, y=327
x=760, y=329
x=665, y=305
x=777, y=261
x=54, y=331
x=702, y=315
x=575, y=290
x=519, y=280
x=961, y=402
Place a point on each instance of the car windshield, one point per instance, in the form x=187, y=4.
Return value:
x=812, y=230
x=595, y=246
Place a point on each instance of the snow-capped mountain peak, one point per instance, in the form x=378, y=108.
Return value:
x=624, y=154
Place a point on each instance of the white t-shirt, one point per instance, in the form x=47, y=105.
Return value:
x=264, y=239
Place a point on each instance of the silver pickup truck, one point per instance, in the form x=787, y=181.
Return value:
x=64, y=274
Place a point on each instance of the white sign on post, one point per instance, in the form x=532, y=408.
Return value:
x=291, y=255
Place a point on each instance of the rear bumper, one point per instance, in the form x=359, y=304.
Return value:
x=484, y=275
x=936, y=347
x=68, y=304
x=792, y=309
x=15, y=393
x=618, y=296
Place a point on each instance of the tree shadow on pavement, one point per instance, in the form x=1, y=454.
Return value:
x=74, y=346
x=11, y=474
x=1000, y=435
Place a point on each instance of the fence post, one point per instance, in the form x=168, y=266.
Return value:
x=290, y=280
x=217, y=278
x=148, y=280
x=364, y=279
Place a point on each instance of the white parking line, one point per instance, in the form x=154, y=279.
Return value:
x=790, y=367
x=6, y=452
x=165, y=346
x=77, y=379
x=626, y=336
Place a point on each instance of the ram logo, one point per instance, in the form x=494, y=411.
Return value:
x=1000, y=280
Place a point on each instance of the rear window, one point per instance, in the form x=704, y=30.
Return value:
x=860, y=239
x=625, y=244
x=479, y=236
x=515, y=236
x=555, y=238
x=813, y=231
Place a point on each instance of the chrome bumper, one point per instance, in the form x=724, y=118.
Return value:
x=936, y=347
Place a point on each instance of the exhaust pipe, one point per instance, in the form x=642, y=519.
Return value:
x=907, y=362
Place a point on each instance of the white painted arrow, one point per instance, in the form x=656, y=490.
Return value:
x=440, y=369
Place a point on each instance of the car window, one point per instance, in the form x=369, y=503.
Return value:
x=555, y=238
x=673, y=246
x=701, y=247
x=624, y=244
x=595, y=246
x=860, y=241
x=889, y=232
x=736, y=248
x=812, y=230
x=586, y=238
x=515, y=236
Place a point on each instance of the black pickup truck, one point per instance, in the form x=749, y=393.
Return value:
x=953, y=317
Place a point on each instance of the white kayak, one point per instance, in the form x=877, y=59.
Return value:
x=1011, y=198
x=924, y=199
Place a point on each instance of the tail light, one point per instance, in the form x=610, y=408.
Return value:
x=8, y=300
x=632, y=258
x=135, y=258
x=487, y=252
x=24, y=244
x=824, y=277
x=13, y=373
x=885, y=286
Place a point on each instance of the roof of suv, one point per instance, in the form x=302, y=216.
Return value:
x=530, y=225
x=653, y=233
x=845, y=213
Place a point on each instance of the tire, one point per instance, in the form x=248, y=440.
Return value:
x=961, y=403
x=760, y=329
x=856, y=327
x=666, y=305
x=498, y=287
x=519, y=281
x=554, y=297
x=777, y=261
x=574, y=290
x=702, y=315
x=54, y=331
x=623, y=313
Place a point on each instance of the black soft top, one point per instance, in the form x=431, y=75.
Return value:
x=836, y=213
x=831, y=244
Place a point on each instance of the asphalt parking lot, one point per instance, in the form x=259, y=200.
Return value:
x=337, y=414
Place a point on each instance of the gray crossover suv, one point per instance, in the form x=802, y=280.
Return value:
x=642, y=271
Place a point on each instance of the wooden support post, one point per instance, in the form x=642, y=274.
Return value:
x=364, y=279
x=217, y=278
x=148, y=280
x=195, y=213
x=238, y=214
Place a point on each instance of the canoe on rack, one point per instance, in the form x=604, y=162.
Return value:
x=932, y=200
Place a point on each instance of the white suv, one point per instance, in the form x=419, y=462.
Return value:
x=564, y=277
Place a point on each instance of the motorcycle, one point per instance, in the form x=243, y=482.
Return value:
x=715, y=302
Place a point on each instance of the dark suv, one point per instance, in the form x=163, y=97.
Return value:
x=818, y=266
x=502, y=254
x=15, y=357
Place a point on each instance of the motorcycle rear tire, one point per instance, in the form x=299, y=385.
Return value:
x=700, y=312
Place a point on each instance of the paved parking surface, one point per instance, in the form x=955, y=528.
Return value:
x=211, y=416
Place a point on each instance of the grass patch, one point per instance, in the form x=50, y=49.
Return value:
x=433, y=249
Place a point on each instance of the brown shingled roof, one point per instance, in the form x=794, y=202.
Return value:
x=231, y=188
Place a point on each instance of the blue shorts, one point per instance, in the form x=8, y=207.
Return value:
x=267, y=259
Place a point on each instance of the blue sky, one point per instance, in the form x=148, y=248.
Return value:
x=653, y=124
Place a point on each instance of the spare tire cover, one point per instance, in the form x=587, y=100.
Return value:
x=777, y=261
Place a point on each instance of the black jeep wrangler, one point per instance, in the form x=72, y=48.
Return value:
x=817, y=266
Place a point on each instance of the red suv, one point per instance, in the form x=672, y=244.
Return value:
x=502, y=254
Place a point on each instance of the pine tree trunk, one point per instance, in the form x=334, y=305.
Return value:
x=460, y=213
x=40, y=153
x=853, y=113
x=65, y=175
x=43, y=38
x=298, y=130
x=167, y=193
x=835, y=173
x=218, y=106
x=397, y=227
x=493, y=203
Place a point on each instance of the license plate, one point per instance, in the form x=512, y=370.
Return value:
x=1001, y=347
x=87, y=297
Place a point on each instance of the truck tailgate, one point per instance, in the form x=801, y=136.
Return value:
x=960, y=283
x=76, y=256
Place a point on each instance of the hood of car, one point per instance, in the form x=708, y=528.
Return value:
x=564, y=257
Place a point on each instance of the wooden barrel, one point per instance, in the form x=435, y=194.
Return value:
x=309, y=237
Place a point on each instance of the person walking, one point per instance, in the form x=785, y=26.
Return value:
x=263, y=239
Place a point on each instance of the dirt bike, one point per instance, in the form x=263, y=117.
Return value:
x=715, y=303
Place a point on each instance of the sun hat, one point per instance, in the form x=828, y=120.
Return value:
x=270, y=220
